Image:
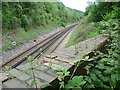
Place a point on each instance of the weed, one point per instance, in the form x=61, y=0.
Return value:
x=34, y=64
x=23, y=36
x=61, y=74
x=7, y=69
x=80, y=33
x=31, y=70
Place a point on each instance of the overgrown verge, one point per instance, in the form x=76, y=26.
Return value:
x=19, y=36
x=31, y=14
x=22, y=21
x=105, y=72
x=84, y=31
x=101, y=73
x=90, y=27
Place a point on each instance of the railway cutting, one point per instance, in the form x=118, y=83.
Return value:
x=37, y=49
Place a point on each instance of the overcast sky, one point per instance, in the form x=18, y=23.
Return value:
x=76, y=4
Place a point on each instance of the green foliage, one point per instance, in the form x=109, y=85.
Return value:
x=61, y=74
x=109, y=26
x=25, y=22
x=106, y=70
x=87, y=59
x=81, y=32
x=22, y=36
x=105, y=73
x=61, y=71
x=7, y=68
x=45, y=85
x=34, y=64
x=34, y=18
x=33, y=84
x=74, y=62
x=95, y=11
x=31, y=14
x=76, y=82
x=115, y=14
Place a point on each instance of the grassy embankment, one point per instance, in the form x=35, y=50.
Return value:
x=22, y=36
x=19, y=20
x=84, y=31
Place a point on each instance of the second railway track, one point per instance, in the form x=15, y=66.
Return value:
x=35, y=50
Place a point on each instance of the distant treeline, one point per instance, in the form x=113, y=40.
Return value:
x=31, y=14
x=98, y=11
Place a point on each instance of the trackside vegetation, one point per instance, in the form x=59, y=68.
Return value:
x=99, y=18
x=105, y=19
x=94, y=21
x=22, y=21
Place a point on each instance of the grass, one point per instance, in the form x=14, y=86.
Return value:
x=84, y=31
x=46, y=29
x=0, y=41
x=92, y=34
x=22, y=36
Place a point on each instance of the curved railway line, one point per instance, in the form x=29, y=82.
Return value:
x=35, y=50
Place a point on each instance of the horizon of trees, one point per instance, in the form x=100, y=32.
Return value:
x=31, y=14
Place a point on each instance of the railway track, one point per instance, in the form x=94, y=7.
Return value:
x=35, y=50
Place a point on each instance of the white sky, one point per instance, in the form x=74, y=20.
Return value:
x=76, y=4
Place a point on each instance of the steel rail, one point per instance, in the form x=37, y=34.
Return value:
x=44, y=48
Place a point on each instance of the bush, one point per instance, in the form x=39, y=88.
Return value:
x=115, y=14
